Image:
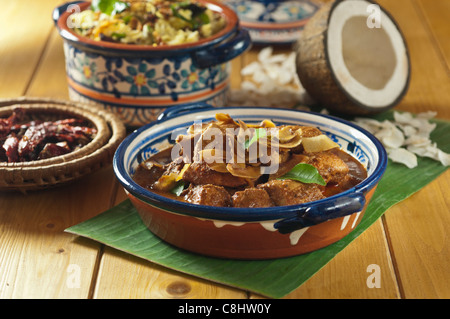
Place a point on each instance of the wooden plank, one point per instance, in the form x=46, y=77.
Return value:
x=124, y=276
x=430, y=82
x=420, y=237
x=28, y=24
x=416, y=227
x=48, y=83
x=362, y=270
x=39, y=260
x=437, y=16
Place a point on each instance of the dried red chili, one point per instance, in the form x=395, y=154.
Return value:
x=23, y=141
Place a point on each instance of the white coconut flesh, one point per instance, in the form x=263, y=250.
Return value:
x=369, y=61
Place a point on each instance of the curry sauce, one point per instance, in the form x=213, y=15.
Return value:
x=301, y=165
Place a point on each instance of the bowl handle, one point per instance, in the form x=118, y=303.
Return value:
x=68, y=6
x=224, y=52
x=320, y=212
x=179, y=109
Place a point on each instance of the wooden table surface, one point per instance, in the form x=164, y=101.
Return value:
x=410, y=243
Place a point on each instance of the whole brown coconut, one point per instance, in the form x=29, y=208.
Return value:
x=353, y=59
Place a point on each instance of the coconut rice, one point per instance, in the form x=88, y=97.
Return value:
x=151, y=22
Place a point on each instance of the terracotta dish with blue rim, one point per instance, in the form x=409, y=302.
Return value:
x=137, y=82
x=250, y=233
x=274, y=21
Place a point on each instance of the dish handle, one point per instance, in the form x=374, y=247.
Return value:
x=71, y=6
x=179, y=109
x=321, y=212
x=224, y=52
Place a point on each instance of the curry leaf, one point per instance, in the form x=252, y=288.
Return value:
x=109, y=7
x=199, y=17
x=203, y=17
x=259, y=133
x=180, y=16
x=178, y=188
x=118, y=35
x=304, y=173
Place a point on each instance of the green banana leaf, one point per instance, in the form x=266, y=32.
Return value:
x=120, y=227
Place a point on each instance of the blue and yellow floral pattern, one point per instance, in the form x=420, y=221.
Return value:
x=273, y=21
x=138, y=89
x=144, y=77
x=273, y=11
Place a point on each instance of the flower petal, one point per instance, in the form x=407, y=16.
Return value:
x=131, y=70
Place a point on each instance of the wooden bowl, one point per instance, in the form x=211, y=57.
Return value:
x=45, y=173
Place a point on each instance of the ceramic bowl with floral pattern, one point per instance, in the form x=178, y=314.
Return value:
x=250, y=233
x=278, y=22
x=137, y=82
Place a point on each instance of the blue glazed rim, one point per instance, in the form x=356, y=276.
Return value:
x=233, y=213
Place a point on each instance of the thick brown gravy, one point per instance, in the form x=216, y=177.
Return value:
x=356, y=173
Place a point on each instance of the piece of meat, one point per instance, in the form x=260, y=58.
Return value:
x=210, y=195
x=330, y=166
x=201, y=174
x=289, y=192
x=174, y=167
x=252, y=197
